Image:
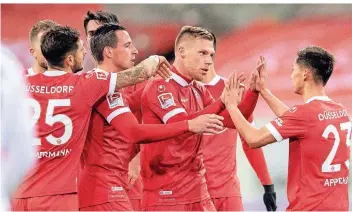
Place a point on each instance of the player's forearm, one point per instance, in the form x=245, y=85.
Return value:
x=257, y=160
x=213, y=108
x=246, y=107
x=131, y=76
x=278, y=107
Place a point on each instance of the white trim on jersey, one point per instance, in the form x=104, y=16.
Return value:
x=112, y=85
x=173, y=113
x=213, y=82
x=180, y=80
x=274, y=132
x=54, y=73
x=321, y=98
x=117, y=112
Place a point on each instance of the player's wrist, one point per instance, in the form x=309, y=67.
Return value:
x=269, y=188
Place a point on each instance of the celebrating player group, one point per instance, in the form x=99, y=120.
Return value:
x=159, y=137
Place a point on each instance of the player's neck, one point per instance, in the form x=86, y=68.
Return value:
x=182, y=69
x=55, y=68
x=209, y=77
x=313, y=90
x=109, y=67
x=37, y=68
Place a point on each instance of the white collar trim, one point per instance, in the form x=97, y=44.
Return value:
x=213, y=82
x=54, y=73
x=321, y=98
x=180, y=80
x=100, y=70
x=30, y=71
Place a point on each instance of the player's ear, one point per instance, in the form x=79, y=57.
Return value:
x=107, y=52
x=70, y=60
x=32, y=51
x=305, y=73
x=182, y=51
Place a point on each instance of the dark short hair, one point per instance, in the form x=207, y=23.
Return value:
x=58, y=43
x=104, y=36
x=320, y=61
x=101, y=17
x=41, y=26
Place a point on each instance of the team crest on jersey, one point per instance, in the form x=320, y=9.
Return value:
x=166, y=100
x=115, y=100
x=161, y=88
x=101, y=75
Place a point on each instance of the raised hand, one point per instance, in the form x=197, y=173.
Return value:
x=261, y=82
x=157, y=65
x=232, y=94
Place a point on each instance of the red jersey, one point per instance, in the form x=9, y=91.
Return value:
x=319, y=153
x=220, y=156
x=62, y=104
x=105, y=156
x=136, y=192
x=173, y=170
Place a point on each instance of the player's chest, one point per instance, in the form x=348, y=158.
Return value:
x=190, y=98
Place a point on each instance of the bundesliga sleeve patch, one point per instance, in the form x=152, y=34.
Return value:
x=166, y=100
x=101, y=75
x=115, y=100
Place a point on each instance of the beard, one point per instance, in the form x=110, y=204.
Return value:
x=43, y=65
x=77, y=67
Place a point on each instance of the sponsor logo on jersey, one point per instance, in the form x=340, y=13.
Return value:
x=166, y=100
x=115, y=100
x=279, y=122
x=183, y=100
x=101, y=75
x=116, y=188
x=162, y=193
x=293, y=109
x=89, y=74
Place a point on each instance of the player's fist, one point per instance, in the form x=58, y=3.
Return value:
x=269, y=198
x=208, y=123
x=157, y=65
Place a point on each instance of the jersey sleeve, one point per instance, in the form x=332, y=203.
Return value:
x=162, y=99
x=96, y=84
x=112, y=106
x=292, y=124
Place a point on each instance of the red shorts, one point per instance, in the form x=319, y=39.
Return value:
x=110, y=206
x=228, y=203
x=61, y=202
x=204, y=205
x=136, y=204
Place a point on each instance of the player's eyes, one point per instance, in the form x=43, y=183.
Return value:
x=202, y=53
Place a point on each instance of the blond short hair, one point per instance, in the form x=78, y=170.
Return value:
x=41, y=26
x=194, y=32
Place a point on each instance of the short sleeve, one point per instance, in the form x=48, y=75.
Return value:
x=112, y=106
x=292, y=124
x=161, y=98
x=96, y=84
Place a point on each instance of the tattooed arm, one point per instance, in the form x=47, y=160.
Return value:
x=143, y=71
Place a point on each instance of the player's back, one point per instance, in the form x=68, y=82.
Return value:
x=61, y=105
x=319, y=161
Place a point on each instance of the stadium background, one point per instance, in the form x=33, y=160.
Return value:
x=244, y=32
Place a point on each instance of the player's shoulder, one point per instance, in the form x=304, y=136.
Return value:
x=93, y=74
x=299, y=110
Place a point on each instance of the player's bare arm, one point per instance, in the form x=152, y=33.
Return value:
x=143, y=71
x=274, y=103
x=254, y=137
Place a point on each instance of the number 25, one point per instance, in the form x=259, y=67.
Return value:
x=51, y=120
